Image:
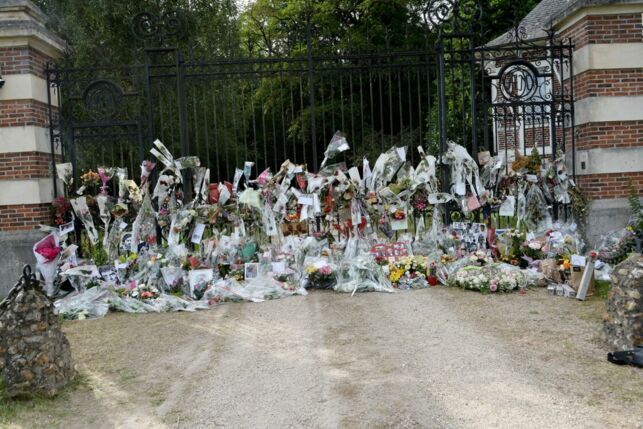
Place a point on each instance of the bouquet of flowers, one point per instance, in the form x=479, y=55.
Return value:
x=91, y=181
x=409, y=272
x=509, y=244
x=82, y=212
x=362, y=274
x=62, y=210
x=47, y=252
x=319, y=275
x=470, y=277
x=479, y=258
x=144, y=291
x=491, y=278
x=533, y=249
x=614, y=247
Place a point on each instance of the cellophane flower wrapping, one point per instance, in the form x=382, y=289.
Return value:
x=337, y=145
x=47, y=254
x=319, y=273
x=362, y=274
x=82, y=212
x=409, y=272
x=614, y=247
x=89, y=304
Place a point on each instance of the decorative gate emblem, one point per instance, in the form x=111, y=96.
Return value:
x=518, y=81
x=146, y=25
x=102, y=99
x=437, y=12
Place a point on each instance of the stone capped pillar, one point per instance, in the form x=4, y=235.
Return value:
x=26, y=173
x=35, y=356
x=608, y=93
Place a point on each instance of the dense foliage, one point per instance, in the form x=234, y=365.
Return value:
x=258, y=118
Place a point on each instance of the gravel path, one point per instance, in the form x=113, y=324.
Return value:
x=437, y=358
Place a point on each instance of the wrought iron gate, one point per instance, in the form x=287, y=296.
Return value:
x=503, y=98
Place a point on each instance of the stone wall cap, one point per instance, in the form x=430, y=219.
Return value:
x=21, y=19
x=24, y=6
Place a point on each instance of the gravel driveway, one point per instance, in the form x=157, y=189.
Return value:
x=437, y=358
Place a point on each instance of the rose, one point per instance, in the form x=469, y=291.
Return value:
x=325, y=270
x=493, y=287
x=534, y=245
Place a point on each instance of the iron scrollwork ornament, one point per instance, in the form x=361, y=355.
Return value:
x=102, y=99
x=437, y=12
x=518, y=81
x=146, y=25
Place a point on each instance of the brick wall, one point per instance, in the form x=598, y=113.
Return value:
x=16, y=113
x=23, y=60
x=24, y=216
x=617, y=28
x=610, y=83
x=26, y=165
x=613, y=185
x=609, y=135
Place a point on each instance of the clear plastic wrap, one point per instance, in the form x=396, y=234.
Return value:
x=338, y=144
x=362, y=274
x=264, y=287
x=90, y=304
x=614, y=246
x=82, y=212
x=318, y=273
x=47, y=254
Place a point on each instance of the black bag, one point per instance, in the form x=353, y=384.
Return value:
x=627, y=357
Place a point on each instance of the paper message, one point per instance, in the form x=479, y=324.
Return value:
x=197, y=234
x=578, y=260
x=306, y=199
x=508, y=207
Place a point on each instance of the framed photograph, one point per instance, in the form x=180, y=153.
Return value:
x=66, y=228
x=251, y=270
x=108, y=273
x=126, y=243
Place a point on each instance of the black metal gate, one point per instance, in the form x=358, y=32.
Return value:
x=503, y=98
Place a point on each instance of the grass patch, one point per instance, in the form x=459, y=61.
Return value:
x=10, y=408
x=603, y=287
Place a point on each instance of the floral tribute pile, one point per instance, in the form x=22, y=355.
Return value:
x=171, y=240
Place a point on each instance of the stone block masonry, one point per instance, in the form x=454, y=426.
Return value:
x=623, y=323
x=35, y=356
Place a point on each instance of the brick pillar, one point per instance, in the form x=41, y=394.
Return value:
x=26, y=176
x=608, y=86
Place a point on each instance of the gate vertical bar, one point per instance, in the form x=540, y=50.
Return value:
x=148, y=92
x=552, y=113
x=183, y=110
x=183, y=118
x=474, y=103
x=51, y=128
x=311, y=91
x=442, y=114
